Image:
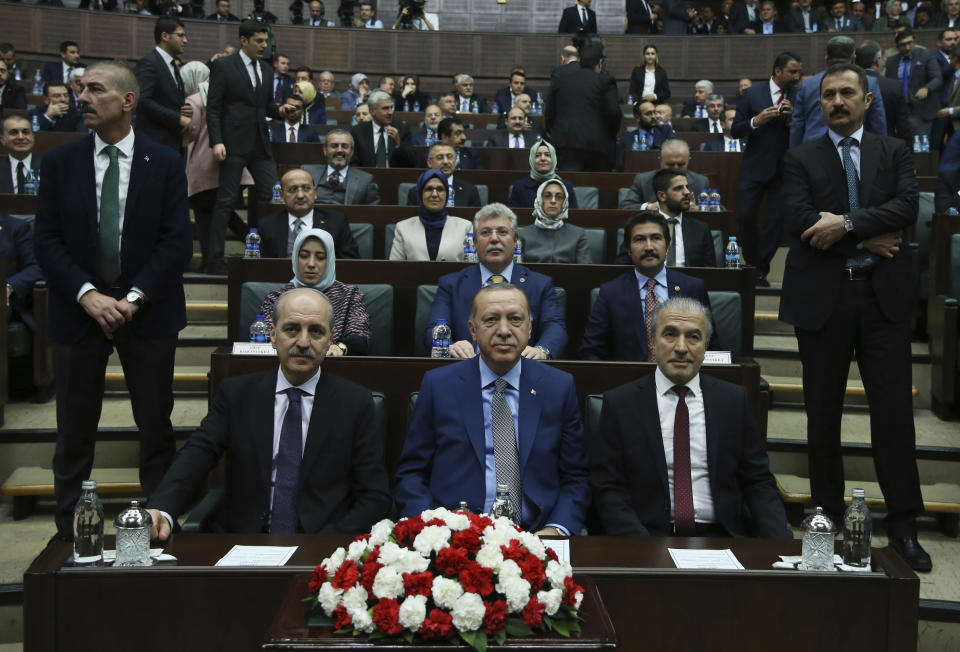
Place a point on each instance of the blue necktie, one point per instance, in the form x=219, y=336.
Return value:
x=905, y=77
x=283, y=514
x=853, y=195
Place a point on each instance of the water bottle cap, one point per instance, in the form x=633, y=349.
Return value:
x=88, y=485
x=253, y=229
x=441, y=321
x=733, y=238
x=859, y=493
x=258, y=318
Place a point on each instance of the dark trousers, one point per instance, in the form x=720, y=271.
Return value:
x=264, y=172
x=203, y=204
x=759, y=248
x=582, y=160
x=80, y=367
x=882, y=351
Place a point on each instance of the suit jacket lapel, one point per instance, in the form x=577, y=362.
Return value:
x=472, y=409
x=88, y=187
x=349, y=188
x=631, y=290
x=646, y=415
x=831, y=159
x=529, y=417
x=244, y=75
x=713, y=406
x=262, y=426
x=324, y=404
x=869, y=151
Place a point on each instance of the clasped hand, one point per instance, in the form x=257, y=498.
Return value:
x=110, y=313
x=826, y=232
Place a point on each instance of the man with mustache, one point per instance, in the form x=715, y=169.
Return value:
x=279, y=231
x=495, y=239
x=620, y=323
x=678, y=452
x=338, y=182
x=498, y=418
x=848, y=288
x=442, y=157
x=303, y=454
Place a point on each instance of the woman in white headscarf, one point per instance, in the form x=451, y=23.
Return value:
x=543, y=167
x=356, y=94
x=550, y=239
x=203, y=171
x=315, y=266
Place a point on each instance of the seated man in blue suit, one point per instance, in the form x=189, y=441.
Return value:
x=725, y=143
x=494, y=420
x=55, y=114
x=495, y=237
x=290, y=129
x=619, y=326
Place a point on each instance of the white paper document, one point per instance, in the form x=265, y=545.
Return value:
x=705, y=559
x=257, y=556
x=559, y=546
x=253, y=348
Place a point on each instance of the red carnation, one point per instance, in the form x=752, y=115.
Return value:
x=346, y=576
x=466, y=539
x=418, y=583
x=496, y=617
x=476, y=579
x=407, y=530
x=479, y=523
x=386, y=616
x=451, y=561
x=341, y=619
x=362, y=537
x=552, y=554
x=571, y=589
x=513, y=551
x=319, y=577
x=532, y=570
x=436, y=521
x=438, y=625
x=370, y=569
x=533, y=613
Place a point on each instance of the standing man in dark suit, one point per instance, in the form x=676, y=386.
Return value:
x=62, y=70
x=327, y=472
x=583, y=114
x=291, y=129
x=498, y=418
x=742, y=13
x=55, y=113
x=677, y=452
x=579, y=16
x=113, y=238
x=442, y=157
x=641, y=17
x=380, y=143
x=12, y=94
x=763, y=118
x=338, y=182
x=620, y=322
x=869, y=56
x=849, y=289
x=239, y=101
x=17, y=139
x=162, y=114
x=282, y=81
x=919, y=74
x=676, y=16
x=279, y=231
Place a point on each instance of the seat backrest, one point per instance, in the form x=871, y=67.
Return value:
x=587, y=197
x=484, y=191
x=953, y=282
x=718, y=245
x=425, y=297
x=621, y=195
x=380, y=416
x=252, y=294
x=561, y=300
x=378, y=300
x=388, y=232
x=597, y=239
x=591, y=416
x=363, y=234
x=402, y=190
x=726, y=308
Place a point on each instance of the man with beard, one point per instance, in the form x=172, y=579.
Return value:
x=339, y=182
x=442, y=157
x=763, y=119
x=431, y=120
x=452, y=133
x=648, y=130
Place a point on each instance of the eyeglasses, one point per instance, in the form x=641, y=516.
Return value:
x=559, y=196
x=434, y=190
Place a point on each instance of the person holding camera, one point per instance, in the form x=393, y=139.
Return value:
x=412, y=16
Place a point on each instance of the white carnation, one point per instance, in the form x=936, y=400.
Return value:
x=390, y=554
x=388, y=583
x=431, y=539
x=411, y=562
x=517, y=592
x=577, y=599
x=490, y=556
x=412, y=612
x=557, y=571
x=381, y=532
x=468, y=612
x=438, y=512
x=498, y=535
x=446, y=591
x=333, y=562
x=551, y=600
x=456, y=522
x=361, y=620
x=509, y=569
x=356, y=550
x=533, y=544
x=329, y=597
x=355, y=598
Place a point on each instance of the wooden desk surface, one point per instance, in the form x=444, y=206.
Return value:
x=654, y=606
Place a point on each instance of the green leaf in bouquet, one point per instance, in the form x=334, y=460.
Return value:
x=317, y=618
x=500, y=637
x=562, y=628
x=407, y=636
x=476, y=639
x=516, y=627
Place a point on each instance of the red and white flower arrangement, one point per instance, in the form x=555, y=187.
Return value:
x=444, y=575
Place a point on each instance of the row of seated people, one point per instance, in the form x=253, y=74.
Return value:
x=524, y=429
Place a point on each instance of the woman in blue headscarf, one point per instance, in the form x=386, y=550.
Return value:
x=315, y=266
x=433, y=234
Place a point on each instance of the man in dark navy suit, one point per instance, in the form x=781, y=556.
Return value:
x=290, y=129
x=579, y=16
x=869, y=56
x=162, y=114
x=725, y=143
x=55, y=114
x=763, y=118
x=452, y=133
x=12, y=94
x=113, y=238
x=62, y=70
x=381, y=132
x=17, y=138
x=619, y=325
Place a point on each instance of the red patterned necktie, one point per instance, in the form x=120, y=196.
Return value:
x=683, y=519
x=650, y=306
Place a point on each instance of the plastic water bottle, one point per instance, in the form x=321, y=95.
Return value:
x=37, y=82
x=715, y=200
x=416, y=106
x=35, y=124
x=496, y=107
x=441, y=339
x=502, y=505
x=16, y=73
x=952, y=211
x=818, y=539
x=630, y=99
x=252, y=242
x=474, y=107
x=277, y=189
x=30, y=183
x=925, y=143
x=451, y=196
x=518, y=252
x=732, y=252
x=917, y=147
x=469, y=251
x=259, y=331
x=703, y=199
x=88, y=527
x=857, y=531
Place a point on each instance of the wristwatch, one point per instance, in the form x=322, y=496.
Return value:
x=135, y=298
x=847, y=224
x=342, y=347
x=545, y=350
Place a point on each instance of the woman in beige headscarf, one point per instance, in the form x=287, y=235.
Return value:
x=203, y=171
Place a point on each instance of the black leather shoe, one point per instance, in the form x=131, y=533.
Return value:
x=912, y=552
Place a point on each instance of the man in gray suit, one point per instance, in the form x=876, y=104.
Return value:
x=338, y=182
x=675, y=153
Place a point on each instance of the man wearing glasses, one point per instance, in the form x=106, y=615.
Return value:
x=919, y=74
x=162, y=114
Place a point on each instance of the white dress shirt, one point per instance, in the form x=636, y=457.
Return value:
x=649, y=82
x=253, y=71
x=699, y=471
x=286, y=131
x=715, y=126
x=306, y=219
x=168, y=59
x=376, y=140
x=678, y=236
x=854, y=149
x=775, y=93
x=14, y=162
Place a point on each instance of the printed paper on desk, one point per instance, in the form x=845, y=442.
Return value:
x=705, y=559
x=253, y=348
x=559, y=546
x=257, y=556
x=717, y=357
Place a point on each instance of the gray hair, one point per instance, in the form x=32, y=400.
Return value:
x=496, y=287
x=713, y=97
x=278, y=307
x=892, y=3
x=490, y=211
x=841, y=48
x=341, y=132
x=377, y=96
x=705, y=83
x=124, y=81
x=327, y=73
x=463, y=77
x=675, y=143
x=685, y=306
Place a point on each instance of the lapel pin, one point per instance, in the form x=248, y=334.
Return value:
x=523, y=280
x=533, y=392
x=146, y=158
x=676, y=288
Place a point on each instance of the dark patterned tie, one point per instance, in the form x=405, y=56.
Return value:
x=853, y=195
x=650, y=307
x=283, y=513
x=21, y=177
x=672, y=251
x=292, y=236
x=505, y=456
x=110, y=218
x=177, y=77
x=683, y=516
x=334, y=179
x=381, y=150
